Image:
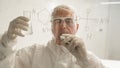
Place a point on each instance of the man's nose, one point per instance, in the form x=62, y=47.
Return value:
x=63, y=25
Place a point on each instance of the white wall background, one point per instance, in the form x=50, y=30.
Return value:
x=113, y=35
x=93, y=20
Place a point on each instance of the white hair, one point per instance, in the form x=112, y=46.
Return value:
x=64, y=7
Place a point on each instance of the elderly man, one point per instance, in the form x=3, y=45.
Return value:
x=65, y=50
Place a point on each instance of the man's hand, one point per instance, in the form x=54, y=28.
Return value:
x=15, y=27
x=75, y=45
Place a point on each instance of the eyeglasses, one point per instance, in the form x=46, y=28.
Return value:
x=59, y=20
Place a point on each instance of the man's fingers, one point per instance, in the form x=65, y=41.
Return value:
x=21, y=27
x=20, y=21
x=71, y=40
x=23, y=18
x=16, y=25
x=18, y=32
x=66, y=35
x=66, y=38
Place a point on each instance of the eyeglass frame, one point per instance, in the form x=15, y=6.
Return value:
x=63, y=19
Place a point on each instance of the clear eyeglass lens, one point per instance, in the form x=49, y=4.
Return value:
x=68, y=21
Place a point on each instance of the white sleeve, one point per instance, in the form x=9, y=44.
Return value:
x=91, y=62
x=15, y=59
x=94, y=61
x=6, y=51
x=6, y=46
x=22, y=58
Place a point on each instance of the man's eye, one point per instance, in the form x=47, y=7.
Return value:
x=57, y=21
x=69, y=20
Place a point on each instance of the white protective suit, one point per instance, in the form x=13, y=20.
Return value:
x=39, y=56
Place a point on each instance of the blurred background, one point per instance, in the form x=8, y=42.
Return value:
x=99, y=22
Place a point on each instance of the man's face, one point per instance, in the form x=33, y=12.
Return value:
x=63, y=23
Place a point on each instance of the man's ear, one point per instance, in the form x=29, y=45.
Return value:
x=52, y=30
x=77, y=27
